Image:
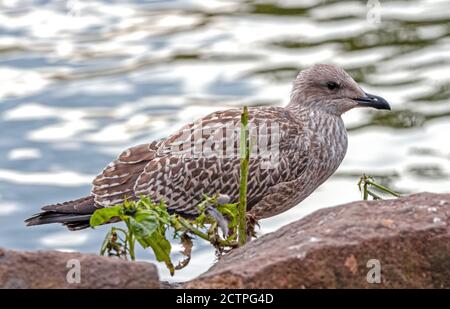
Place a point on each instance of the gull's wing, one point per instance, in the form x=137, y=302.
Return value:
x=111, y=187
x=182, y=176
x=117, y=180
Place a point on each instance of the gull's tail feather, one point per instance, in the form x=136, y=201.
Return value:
x=73, y=214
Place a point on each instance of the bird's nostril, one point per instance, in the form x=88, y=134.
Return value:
x=371, y=100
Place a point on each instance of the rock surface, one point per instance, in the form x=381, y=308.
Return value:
x=338, y=247
x=51, y=269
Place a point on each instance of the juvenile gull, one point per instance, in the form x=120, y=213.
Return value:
x=311, y=141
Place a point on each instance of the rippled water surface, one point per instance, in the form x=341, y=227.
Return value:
x=82, y=80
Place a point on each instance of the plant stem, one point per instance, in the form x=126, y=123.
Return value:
x=366, y=181
x=374, y=195
x=131, y=245
x=245, y=157
x=130, y=239
x=382, y=188
x=362, y=185
x=192, y=229
x=365, y=191
x=120, y=230
x=185, y=223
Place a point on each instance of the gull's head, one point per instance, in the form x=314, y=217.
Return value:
x=330, y=88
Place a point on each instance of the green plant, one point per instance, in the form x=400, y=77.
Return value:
x=367, y=184
x=145, y=221
x=148, y=222
x=245, y=159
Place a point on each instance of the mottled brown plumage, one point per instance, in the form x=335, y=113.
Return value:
x=308, y=135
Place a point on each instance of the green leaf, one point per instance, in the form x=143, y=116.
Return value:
x=230, y=211
x=161, y=248
x=143, y=225
x=200, y=220
x=148, y=235
x=146, y=202
x=103, y=215
x=129, y=208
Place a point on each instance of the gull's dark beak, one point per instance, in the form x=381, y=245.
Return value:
x=374, y=101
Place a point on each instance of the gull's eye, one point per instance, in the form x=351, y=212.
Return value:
x=332, y=85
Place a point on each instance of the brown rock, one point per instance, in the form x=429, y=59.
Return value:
x=50, y=269
x=337, y=247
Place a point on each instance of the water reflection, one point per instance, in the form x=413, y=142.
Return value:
x=80, y=84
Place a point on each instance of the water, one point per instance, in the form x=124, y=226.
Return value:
x=82, y=80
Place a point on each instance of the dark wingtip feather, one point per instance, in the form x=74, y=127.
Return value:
x=73, y=214
x=54, y=217
x=34, y=220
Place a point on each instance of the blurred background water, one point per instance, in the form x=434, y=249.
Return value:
x=82, y=80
